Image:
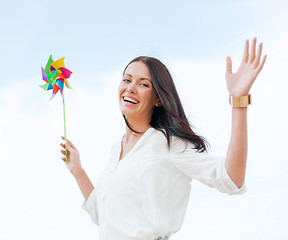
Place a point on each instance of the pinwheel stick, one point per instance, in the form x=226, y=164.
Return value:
x=64, y=125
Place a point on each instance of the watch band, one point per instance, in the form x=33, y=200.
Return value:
x=241, y=101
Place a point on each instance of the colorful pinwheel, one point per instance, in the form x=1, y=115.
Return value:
x=55, y=75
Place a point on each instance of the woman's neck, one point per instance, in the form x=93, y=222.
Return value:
x=131, y=136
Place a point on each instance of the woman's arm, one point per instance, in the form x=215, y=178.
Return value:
x=237, y=151
x=239, y=84
x=83, y=182
x=74, y=165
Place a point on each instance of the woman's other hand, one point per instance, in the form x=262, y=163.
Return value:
x=73, y=159
x=239, y=83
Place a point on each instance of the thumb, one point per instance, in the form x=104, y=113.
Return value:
x=228, y=65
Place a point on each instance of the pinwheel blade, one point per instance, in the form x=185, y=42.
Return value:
x=47, y=68
x=45, y=86
x=44, y=75
x=67, y=84
x=59, y=63
x=52, y=96
x=60, y=84
x=50, y=87
x=55, y=88
x=60, y=77
x=66, y=72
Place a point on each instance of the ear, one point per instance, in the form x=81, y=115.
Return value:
x=158, y=103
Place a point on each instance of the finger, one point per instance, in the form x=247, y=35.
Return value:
x=63, y=145
x=69, y=142
x=228, y=65
x=63, y=158
x=258, y=56
x=63, y=152
x=246, y=52
x=259, y=68
x=67, y=146
x=252, y=52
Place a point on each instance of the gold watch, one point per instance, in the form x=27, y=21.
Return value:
x=241, y=101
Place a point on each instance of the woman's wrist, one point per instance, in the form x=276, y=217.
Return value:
x=76, y=171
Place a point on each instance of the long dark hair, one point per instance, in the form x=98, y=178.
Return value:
x=170, y=116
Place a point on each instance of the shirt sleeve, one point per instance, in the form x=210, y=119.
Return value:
x=90, y=206
x=203, y=167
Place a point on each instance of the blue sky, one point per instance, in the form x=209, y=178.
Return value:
x=96, y=36
x=98, y=39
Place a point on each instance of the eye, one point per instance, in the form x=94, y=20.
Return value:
x=145, y=85
x=126, y=80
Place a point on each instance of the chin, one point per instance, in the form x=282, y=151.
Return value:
x=128, y=113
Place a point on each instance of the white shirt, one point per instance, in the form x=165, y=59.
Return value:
x=145, y=195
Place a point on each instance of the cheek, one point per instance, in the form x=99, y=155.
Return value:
x=151, y=99
x=120, y=89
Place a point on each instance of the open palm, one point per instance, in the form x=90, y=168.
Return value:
x=239, y=83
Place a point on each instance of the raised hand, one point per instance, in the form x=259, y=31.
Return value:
x=239, y=83
x=73, y=159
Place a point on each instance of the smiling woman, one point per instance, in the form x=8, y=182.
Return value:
x=144, y=190
x=165, y=111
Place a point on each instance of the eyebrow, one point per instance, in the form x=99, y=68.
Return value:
x=140, y=78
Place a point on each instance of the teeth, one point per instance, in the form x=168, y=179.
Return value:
x=130, y=100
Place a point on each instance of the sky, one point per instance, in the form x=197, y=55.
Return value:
x=40, y=198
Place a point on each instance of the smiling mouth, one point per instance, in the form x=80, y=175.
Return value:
x=130, y=100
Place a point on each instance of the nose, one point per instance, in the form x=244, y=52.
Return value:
x=131, y=88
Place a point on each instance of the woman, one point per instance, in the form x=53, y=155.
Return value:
x=144, y=190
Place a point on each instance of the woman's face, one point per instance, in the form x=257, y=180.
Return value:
x=137, y=97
